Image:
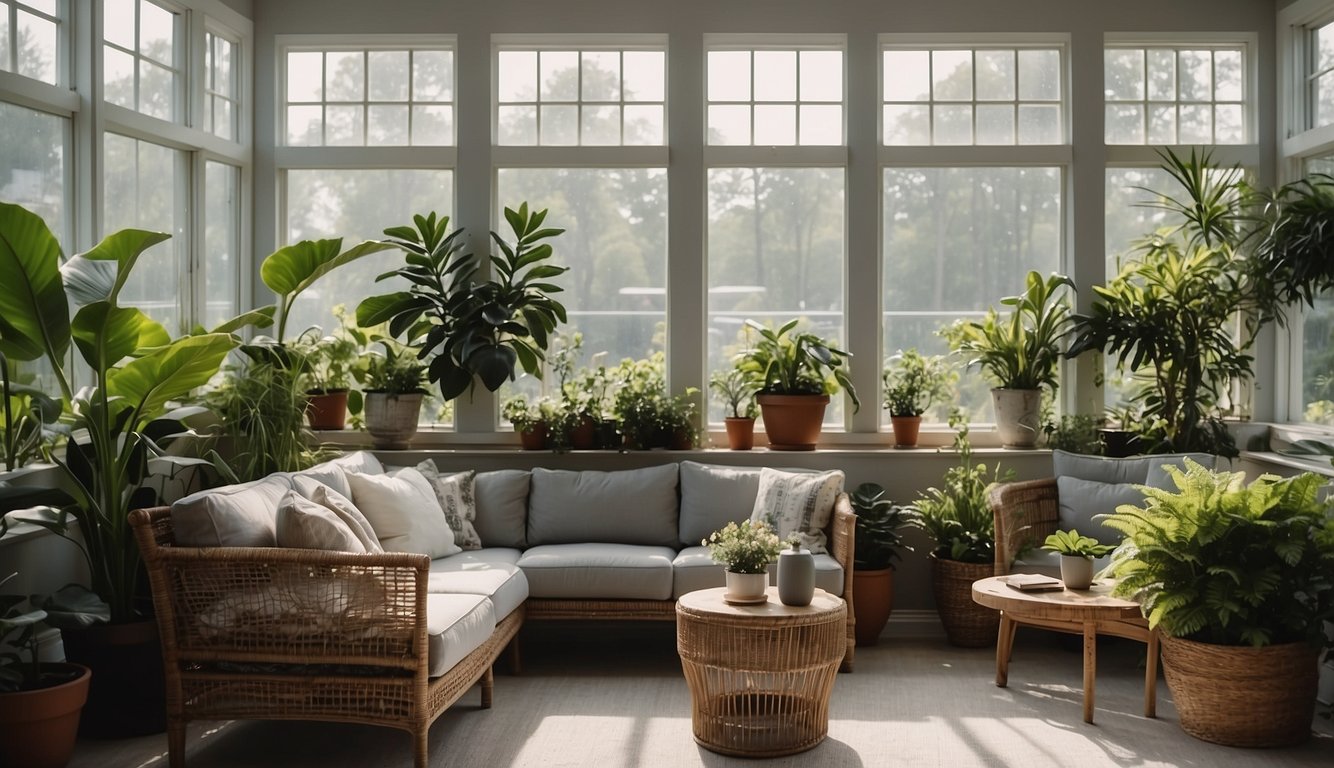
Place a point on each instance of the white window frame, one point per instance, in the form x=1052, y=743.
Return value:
x=61, y=20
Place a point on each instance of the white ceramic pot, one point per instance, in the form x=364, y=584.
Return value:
x=1018, y=417
x=746, y=587
x=1076, y=571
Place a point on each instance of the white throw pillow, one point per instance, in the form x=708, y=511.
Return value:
x=304, y=524
x=402, y=509
x=341, y=506
x=800, y=503
x=456, y=497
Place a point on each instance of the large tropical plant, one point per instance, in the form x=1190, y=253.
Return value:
x=134, y=370
x=1021, y=350
x=787, y=362
x=472, y=327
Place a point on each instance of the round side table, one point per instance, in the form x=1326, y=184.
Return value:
x=760, y=675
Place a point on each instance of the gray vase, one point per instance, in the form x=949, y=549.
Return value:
x=796, y=576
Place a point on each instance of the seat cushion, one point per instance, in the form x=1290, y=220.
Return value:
x=599, y=571
x=243, y=515
x=637, y=506
x=502, y=507
x=694, y=569
x=492, y=572
x=456, y=625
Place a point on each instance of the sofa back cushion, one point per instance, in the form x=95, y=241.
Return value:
x=340, y=505
x=1089, y=487
x=713, y=496
x=637, y=506
x=243, y=515
x=305, y=524
x=502, y=508
x=402, y=509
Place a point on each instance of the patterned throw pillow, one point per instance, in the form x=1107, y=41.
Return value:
x=798, y=502
x=456, y=497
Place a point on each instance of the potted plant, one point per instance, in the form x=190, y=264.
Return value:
x=647, y=415
x=797, y=372
x=736, y=390
x=27, y=419
x=529, y=420
x=913, y=382
x=40, y=701
x=878, y=543
x=1020, y=353
x=676, y=420
x=470, y=327
x=262, y=427
x=956, y=518
x=745, y=551
x=1118, y=436
x=1077, y=553
x=1075, y=433
x=326, y=364
x=394, y=383
x=1236, y=577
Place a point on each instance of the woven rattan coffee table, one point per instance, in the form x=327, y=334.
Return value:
x=760, y=675
x=1090, y=612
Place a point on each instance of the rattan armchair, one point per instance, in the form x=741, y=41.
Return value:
x=1025, y=514
x=297, y=634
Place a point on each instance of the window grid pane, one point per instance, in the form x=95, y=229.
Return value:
x=381, y=96
x=221, y=100
x=580, y=97
x=775, y=97
x=30, y=41
x=142, y=187
x=141, y=45
x=1175, y=95
x=979, y=96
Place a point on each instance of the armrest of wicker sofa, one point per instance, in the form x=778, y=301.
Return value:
x=1025, y=514
x=842, y=535
x=284, y=606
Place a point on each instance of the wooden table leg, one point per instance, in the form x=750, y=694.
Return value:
x=1151, y=676
x=1004, y=639
x=1090, y=667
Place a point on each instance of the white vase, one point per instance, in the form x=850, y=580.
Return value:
x=746, y=587
x=1018, y=418
x=1076, y=571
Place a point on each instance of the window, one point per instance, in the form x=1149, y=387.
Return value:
x=580, y=97
x=140, y=58
x=221, y=112
x=222, y=242
x=1175, y=95
x=31, y=39
x=977, y=96
x=32, y=164
x=775, y=97
x=392, y=96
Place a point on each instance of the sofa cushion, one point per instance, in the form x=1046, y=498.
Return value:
x=713, y=496
x=304, y=524
x=502, y=507
x=1082, y=505
x=243, y=515
x=404, y=513
x=637, y=506
x=456, y=496
x=341, y=506
x=456, y=625
x=693, y=568
x=798, y=503
x=599, y=571
x=491, y=572
x=359, y=462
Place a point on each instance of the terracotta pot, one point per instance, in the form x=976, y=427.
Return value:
x=906, y=429
x=584, y=435
x=793, y=422
x=740, y=433
x=534, y=438
x=392, y=419
x=38, y=728
x=127, y=696
x=872, y=602
x=680, y=440
x=327, y=410
x=1018, y=416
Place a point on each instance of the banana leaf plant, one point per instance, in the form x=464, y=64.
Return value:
x=29, y=416
x=134, y=372
x=471, y=326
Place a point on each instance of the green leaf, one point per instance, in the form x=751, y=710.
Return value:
x=291, y=270
x=122, y=248
x=34, y=312
x=169, y=373
x=106, y=334
x=259, y=318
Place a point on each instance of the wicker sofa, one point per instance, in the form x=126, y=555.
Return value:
x=262, y=632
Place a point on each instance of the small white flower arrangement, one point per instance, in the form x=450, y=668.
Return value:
x=747, y=547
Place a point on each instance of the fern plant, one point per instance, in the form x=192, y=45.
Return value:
x=1227, y=563
x=956, y=516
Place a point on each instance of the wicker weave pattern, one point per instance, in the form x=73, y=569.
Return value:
x=967, y=624
x=1243, y=697
x=1025, y=513
x=251, y=633
x=760, y=683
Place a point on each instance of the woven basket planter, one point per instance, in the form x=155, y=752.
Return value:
x=1242, y=696
x=967, y=624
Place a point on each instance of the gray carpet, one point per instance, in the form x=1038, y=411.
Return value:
x=612, y=696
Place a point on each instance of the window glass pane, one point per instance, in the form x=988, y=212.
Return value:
x=344, y=125
x=432, y=126
x=729, y=124
x=518, y=76
x=820, y=124
x=1227, y=76
x=907, y=76
x=995, y=124
x=1196, y=78
x=775, y=252
x=952, y=124
x=37, y=47
x=516, y=126
x=1188, y=96
x=388, y=75
x=1123, y=75
x=344, y=76
x=1162, y=75
x=775, y=75
x=906, y=125
x=644, y=124
x=305, y=126
x=32, y=163
x=118, y=23
x=156, y=94
x=1317, y=396
x=600, y=75
x=1124, y=124
x=224, y=55
x=955, y=241
x=995, y=76
x=807, y=84
x=118, y=77
x=144, y=184
x=4, y=38
x=387, y=124
x=222, y=242
x=775, y=124
x=952, y=75
x=600, y=125
x=729, y=75
x=643, y=75
x=821, y=75
x=560, y=75
x=615, y=244
x=559, y=124
x=157, y=33
x=305, y=76
x=225, y=119
x=1039, y=75
x=433, y=75
x=1039, y=124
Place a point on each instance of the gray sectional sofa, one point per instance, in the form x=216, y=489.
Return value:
x=394, y=638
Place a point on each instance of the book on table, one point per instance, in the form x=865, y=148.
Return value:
x=1032, y=582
